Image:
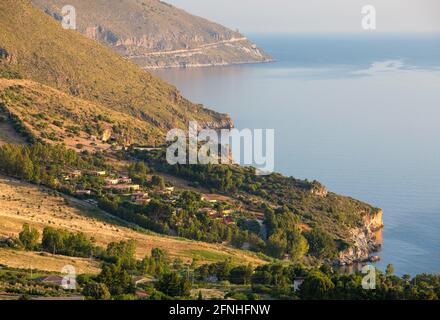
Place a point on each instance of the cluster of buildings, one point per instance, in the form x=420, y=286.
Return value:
x=124, y=186
x=224, y=215
x=118, y=185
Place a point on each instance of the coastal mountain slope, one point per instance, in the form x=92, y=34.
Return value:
x=34, y=46
x=155, y=34
x=54, y=116
x=22, y=203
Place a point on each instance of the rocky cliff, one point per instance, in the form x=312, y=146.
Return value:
x=155, y=34
x=366, y=240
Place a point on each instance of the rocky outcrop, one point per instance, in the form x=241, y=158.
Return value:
x=6, y=56
x=320, y=191
x=365, y=241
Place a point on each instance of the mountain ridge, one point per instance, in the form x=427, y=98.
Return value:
x=155, y=34
x=33, y=46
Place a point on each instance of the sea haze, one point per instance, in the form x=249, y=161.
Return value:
x=359, y=113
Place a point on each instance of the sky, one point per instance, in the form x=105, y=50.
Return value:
x=317, y=16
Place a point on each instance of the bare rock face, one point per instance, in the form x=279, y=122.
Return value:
x=320, y=191
x=365, y=240
x=106, y=135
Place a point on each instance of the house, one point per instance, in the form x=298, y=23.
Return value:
x=228, y=212
x=52, y=279
x=72, y=175
x=122, y=188
x=142, y=294
x=209, y=198
x=228, y=220
x=138, y=280
x=212, y=213
x=167, y=191
x=83, y=192
x=124, y=180
x=209, y=211
x=98, y=173
x=110, y=181
x=140, y=195
x=140, y=198
x=142, y=201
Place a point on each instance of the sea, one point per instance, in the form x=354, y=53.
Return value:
x=358, y=112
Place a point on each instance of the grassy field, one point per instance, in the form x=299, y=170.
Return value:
x=23, y=203
x=46, y=262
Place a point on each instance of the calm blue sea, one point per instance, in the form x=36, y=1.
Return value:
x=360, y=113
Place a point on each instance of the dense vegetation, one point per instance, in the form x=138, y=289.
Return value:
x=176, y=280
x=284, y=238
x=184, y=220
x=277, y=281
x=43, y=163
x=288, y=204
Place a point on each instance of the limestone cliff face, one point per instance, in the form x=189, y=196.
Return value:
x=365, y=240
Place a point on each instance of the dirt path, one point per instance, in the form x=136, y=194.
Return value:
x=192, y=50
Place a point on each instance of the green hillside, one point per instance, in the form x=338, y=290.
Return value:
x=53, y=116
x=34, y=46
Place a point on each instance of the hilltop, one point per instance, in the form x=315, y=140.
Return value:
x=155, y=34
x=34, y=46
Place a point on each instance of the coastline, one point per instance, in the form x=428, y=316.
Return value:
x=206, y=65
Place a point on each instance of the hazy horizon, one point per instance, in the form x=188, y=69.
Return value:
x=316, y=16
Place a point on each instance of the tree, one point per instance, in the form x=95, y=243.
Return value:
x=200, y=296
x=96, y=291
x=277, y=244
x=138, y=172
x=67, y=243
x=317, y=286
x=158, y=181
x=223, y=270
x=321, y=244
x=29, y=237
x=297, y=244
x=174, y=285
x=123, y=254
x=389, y=270
x=117, y=280
x=241, y=274
x=157, y=264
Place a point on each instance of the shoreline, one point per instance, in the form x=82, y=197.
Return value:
x=206, y=65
